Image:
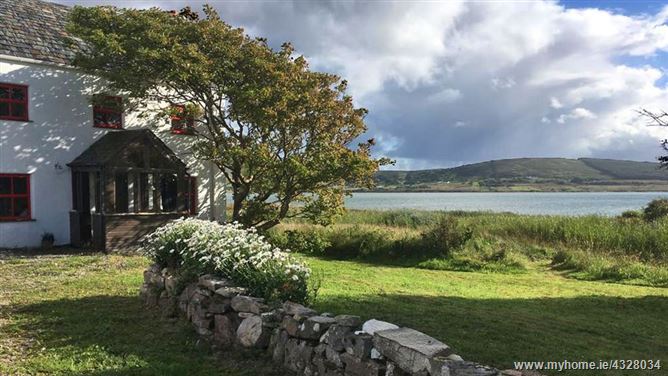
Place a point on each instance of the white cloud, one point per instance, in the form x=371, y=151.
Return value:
x=526, y=78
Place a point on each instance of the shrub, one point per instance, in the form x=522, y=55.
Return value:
x=632, y=214
x=656, y=209
x=363, y=242
x=308, y=242
x=195, y=247
x=446, y=236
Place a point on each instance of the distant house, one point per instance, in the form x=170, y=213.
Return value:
x=89, y=174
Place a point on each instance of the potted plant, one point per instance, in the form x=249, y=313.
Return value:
x=47, y=240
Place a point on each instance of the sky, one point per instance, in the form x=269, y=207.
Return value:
x=449, y=83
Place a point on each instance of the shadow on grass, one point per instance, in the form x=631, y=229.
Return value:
x=65, y=250
x=500, y=331
x=112, y=335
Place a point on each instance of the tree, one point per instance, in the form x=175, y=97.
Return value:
x=279, y=132
x=658, y=119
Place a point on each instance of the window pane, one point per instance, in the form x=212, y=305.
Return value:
x=20, y=185
x=114, y=119
x=4, y=109
x=21, y=208
x=5, y=207
x=18, y=110
x=5, y=185
x=4, y=92
x=18, y=93
x=99, y=119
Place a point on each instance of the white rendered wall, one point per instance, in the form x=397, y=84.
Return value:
x=61, y=128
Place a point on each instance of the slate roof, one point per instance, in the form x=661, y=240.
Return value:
x=112, y=148
x=35, y=29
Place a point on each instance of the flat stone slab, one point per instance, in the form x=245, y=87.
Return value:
x=409, y=349
x=373, y=325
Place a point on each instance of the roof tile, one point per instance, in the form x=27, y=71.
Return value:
x=35, y=29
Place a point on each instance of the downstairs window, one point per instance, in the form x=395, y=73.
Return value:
x=15, y=197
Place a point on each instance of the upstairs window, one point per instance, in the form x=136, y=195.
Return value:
x=14, y=197
x=13, y=102
x=181, y=123
x=108, y=112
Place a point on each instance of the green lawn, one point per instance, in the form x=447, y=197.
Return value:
x=79, y=315
x=500, y=318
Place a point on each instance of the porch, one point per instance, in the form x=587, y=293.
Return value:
x=124, y=186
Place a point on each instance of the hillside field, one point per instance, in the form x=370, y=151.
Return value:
x=532, y=174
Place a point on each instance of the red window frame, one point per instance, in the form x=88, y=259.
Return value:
x=179, y=124
x=11, y=102
x=13, y=196
x=106, y=110
x=191, y=195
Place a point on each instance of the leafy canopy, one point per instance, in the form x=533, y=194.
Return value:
x=279, y=132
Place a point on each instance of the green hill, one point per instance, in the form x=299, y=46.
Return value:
x=563, y=171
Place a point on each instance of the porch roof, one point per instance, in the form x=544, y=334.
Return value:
x=137, y=148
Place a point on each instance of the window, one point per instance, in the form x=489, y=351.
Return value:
x=191, y=194
x=108, y=112
x=14, y=197
x=13, y=102
x=181, y=124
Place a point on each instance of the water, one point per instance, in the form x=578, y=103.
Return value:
x=559, y=203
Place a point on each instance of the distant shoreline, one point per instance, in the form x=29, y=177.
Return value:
x=640, y=190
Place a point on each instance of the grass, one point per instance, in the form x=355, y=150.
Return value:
x=626, y=250
x=80, y=315
x=500, y=318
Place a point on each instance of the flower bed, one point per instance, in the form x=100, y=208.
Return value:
x=193, y=247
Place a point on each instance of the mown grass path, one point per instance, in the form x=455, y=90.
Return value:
x=80, y=315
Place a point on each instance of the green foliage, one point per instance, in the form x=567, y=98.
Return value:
x=592, y=266
x=656, y=209
x=445, y=236
x=308, y=241
x=279, y=132
x=504, y=242
x=194, y=247
x=632, y=214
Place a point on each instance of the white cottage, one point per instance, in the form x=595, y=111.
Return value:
x=88, y=174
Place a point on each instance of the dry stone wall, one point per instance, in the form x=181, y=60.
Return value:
x=300, y=339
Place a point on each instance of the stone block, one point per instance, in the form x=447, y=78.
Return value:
x=212, y=282
x=359, y=367
x=279, y=340
x=335, y=336
x=225, y=329
x=231, y=292
x=333, y=357
x=296, y=309
x=441, y=366
x=391, y=369
x=314, y=327
x=170, y=284
x=290, y=325
x=373, y=325
x=242, y=303
x=348, y=320
x=251, y=333
x=359, y=345
x=298, y=354
x=409, y=349
x=218, y=305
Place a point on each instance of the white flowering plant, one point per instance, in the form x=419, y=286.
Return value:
x=196, y=247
